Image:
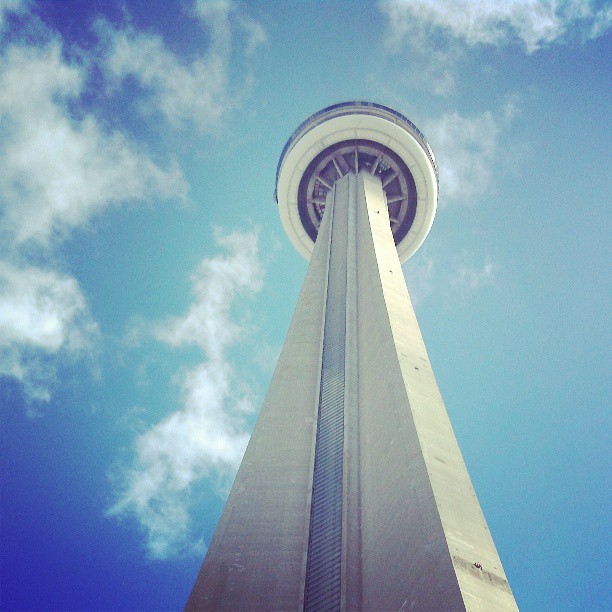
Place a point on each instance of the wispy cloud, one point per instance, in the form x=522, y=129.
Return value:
x=439, y=33
x=455, y=282
x=200, y=92
x=467, y=149
x=470, y=277
x=207, y=436
x=227, y=22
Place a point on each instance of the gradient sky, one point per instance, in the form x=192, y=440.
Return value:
x=146, y=284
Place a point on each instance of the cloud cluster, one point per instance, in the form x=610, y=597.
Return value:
x=208, y=433
x=63, y=166
x=532, y=23
x=58, y=171
x=439, y=33
x=198, y=93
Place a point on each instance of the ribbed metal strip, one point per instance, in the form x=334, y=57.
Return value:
x=323, y=569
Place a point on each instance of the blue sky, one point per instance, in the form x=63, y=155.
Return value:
x=146, y=284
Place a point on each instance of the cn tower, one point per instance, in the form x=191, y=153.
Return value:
x=353, y=494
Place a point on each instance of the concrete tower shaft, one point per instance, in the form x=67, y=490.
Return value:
x=352, y=494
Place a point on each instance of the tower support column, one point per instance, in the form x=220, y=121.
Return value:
x=353, y=494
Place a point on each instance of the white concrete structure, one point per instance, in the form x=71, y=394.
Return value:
x=338, y=139
x=352, y=494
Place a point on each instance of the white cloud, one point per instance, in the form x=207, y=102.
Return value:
x=440, y=33
x=469, y=277
x=37, y=307
x=466, y=150
x=59, y=171
x=42, y=312
x=201, y=92
x=207, y=436
x=535, y=23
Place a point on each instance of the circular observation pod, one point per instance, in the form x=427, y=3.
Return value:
x=355, y=137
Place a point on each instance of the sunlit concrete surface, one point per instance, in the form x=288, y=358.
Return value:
x=352, y=494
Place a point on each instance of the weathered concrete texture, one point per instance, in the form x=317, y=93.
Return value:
x=413, y=534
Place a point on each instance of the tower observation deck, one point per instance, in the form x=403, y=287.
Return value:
x=353, y=494
x=349, y=138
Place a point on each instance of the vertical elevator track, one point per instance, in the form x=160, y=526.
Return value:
x=323, y=569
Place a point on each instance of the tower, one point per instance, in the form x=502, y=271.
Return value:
x=352, y=494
